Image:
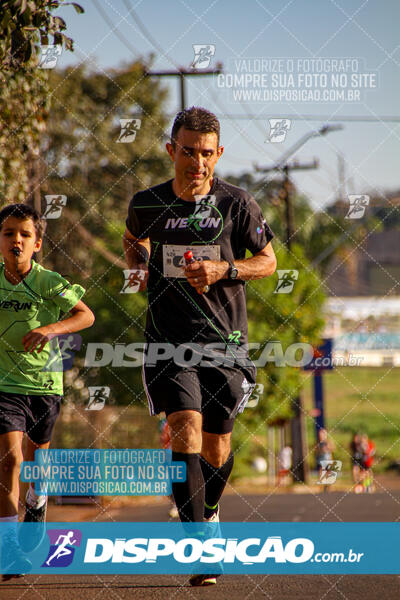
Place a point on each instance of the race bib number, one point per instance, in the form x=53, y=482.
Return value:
x=174, y=261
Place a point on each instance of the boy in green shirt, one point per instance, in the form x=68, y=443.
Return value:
x=31, y=299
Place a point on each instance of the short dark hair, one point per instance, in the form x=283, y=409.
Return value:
x=22, y=212
x=195, y=119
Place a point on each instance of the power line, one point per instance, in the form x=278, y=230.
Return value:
x=147, y=34
x=248, y=116
x=325, y=119
x=244, y=135
x=155, y=44
x=114, y=29
x=182, y=73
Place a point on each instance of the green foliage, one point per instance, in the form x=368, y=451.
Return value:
x=23, y=23
x=322, y=234
x=23, y=109
x=86, y=163
x=288, y=319
x=99, y=177
x=24, y=99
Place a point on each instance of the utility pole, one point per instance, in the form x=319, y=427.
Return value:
x=297, y=425
x=298, y=430
x=287, y=188
x=182, y=73
x=283, y=166
x=341, y=177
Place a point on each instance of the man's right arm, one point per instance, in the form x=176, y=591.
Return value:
x=137, y=254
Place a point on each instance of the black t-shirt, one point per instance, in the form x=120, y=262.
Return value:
x=219, y=226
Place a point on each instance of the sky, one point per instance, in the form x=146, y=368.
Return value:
x=343, y=54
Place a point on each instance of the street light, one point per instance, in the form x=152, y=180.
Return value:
x=284, y=167
x=279, y=165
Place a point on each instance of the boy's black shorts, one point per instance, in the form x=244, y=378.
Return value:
x=218, y=393
x=34, y=415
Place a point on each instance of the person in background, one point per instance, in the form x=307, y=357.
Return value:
x=368, y=449
x=356, y=451
x=323, y=452
x=284, y=465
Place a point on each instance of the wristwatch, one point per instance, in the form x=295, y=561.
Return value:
x=232, y=271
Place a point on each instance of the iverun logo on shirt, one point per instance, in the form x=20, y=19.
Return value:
x=15, y=305
x=193, y=221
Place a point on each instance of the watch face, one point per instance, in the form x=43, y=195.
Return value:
x=234, y=273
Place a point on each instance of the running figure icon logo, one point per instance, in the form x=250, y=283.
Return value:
x=278, y=129
x=287, y=278
x=49, y=55
x=357, y=207
x=97, y=397
x=202, y=55
x=204, y=205
x=256, y=395
x=203, y=208
x=54, y=207
x=62, y=358
x=132, y=279
x=129, y=129
x=329, y=471
x=62, y=547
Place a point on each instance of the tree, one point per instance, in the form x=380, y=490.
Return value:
x=316, y=231
x=276, y=322
x=83, y=160
x=24, y=99
x=22, y=23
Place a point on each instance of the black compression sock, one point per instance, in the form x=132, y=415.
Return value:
x=215, y=479
x=189, y=494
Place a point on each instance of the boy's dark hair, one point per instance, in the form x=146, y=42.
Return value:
x=22, y=212
x=195, y=119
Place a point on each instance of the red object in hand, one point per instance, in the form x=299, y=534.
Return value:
x=189, y=259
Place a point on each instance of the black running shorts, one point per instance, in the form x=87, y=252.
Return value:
x=34, y=415
x=218, y=393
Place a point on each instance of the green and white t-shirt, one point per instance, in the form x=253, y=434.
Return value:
x=34, y=302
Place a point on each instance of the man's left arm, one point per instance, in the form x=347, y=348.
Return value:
x=202, y=273
x=258, y=266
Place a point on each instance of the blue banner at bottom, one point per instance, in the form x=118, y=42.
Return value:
x=176, y=548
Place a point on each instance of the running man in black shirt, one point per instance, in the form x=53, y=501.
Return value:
x=196, y=365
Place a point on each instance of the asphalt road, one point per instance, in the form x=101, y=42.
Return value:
x=235, y=507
